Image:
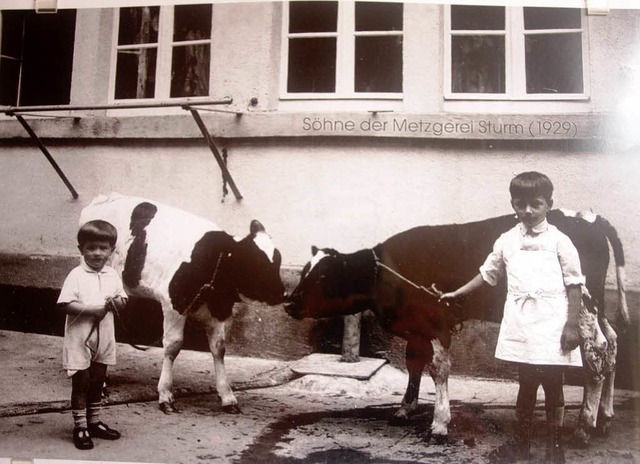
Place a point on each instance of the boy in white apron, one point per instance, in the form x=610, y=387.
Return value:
x=89, y=293
x=539, y=329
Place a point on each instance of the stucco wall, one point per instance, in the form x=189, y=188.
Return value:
x=346, y=193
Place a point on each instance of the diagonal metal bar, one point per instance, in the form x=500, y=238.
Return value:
x=225, y=172
x=47, y=155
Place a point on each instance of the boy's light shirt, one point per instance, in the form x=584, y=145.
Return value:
x=543, y=226
x=84, y=340
x=543, y=236
x=87, y=290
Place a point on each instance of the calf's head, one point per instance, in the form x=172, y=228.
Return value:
x=256, y=265
x=325, y=288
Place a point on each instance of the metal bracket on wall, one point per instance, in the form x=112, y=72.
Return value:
x=46, y=153
x=15, y=110
x=226, y=175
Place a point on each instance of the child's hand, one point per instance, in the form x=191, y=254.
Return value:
x=116, y=303
x=447, y=296
x=570, y=338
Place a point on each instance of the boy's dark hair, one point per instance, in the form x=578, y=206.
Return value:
x=97, y=230
x=531, y=184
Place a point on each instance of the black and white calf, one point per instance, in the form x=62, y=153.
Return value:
x=193, y=269
x=382, y=280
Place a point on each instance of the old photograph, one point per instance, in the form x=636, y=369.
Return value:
x=327, y=231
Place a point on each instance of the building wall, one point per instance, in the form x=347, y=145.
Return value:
x=323, y=185
x=346, y=189
x=346, y=193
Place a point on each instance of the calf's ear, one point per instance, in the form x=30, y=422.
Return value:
x=255, y=227
x=314, y=250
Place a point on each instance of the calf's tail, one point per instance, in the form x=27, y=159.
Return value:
x=622, y=316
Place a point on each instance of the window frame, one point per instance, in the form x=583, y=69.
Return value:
x=515, y=68
x=165, y=46
x=345, y=35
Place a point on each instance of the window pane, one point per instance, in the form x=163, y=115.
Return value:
x=11, y=26
x=477, y=64
x=192, y=22
x=313, y=16
x=136, y=73
x=190, y=71
x=9, y=75
x=48, y=51
x=312, y=65
x=554, y=63
x=552, y=18
x=138, y=25
x=12, y=23
x=487, y=18
x=378, y=16
x=378, y=64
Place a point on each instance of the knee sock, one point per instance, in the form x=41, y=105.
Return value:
x=93, y=413
x=94, y=397
x=79, y=388
x=79, y=418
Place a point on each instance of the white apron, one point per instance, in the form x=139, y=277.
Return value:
x=535, y=311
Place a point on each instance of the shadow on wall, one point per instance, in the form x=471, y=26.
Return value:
x=268, y=332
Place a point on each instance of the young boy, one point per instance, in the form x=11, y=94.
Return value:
x=89, y=294
x=539, y=329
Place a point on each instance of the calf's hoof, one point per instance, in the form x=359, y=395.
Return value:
x=400, y=418
x=168, y=408
x=231, y=409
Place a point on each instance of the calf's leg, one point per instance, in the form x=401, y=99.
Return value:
x=594, y=348
x=439, y=368
x=216, y=337
x=173, y=336
x=416, y=357
x=605, y=411
x=588, y=412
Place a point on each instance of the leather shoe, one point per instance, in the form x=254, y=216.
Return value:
x=82, y=439
x=102, y=430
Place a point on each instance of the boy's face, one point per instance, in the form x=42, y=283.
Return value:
x=531, y=211
x=96, y=253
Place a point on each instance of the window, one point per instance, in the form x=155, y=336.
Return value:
x=163, y=52
x=343, y=49
x=36, y=57
x=515, y=53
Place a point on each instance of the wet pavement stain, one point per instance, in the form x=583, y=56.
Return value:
x=264, y=446
x=323, y=429
x=339, y=455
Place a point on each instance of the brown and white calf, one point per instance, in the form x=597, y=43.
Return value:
x=194, y=269
x=382, y=280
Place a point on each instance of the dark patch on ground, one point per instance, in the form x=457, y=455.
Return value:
x=341, y=455
x=468, y=425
